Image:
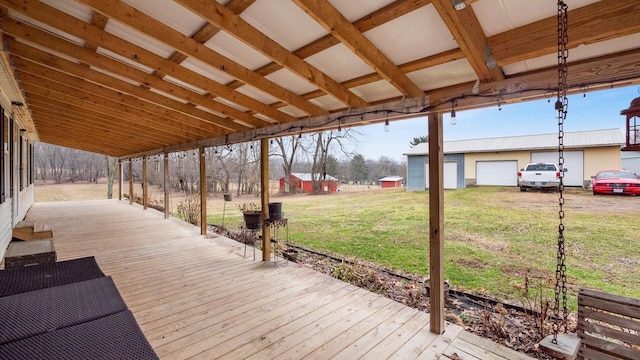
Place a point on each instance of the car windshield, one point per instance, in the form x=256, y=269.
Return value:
x=616, y=174
x=541, y=167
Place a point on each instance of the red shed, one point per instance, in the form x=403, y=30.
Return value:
x=302, y=182
x=391, y=182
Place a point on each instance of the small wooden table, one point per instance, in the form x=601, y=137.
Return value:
x=27, y=253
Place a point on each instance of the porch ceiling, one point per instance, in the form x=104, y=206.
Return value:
x=139, y=77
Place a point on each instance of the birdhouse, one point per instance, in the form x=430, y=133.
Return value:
x=633, y=125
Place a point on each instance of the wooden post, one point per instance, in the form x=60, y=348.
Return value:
x=145, y=192
x=203, y=192
x=264, y=195
x=130, y=181
x=120, y=176
x=167, y=211
x=436, y=225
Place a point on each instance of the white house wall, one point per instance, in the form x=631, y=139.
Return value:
x=17, y=202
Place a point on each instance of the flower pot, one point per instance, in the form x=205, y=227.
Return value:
x=290, y=254
x=275, y=211
x=253, y=220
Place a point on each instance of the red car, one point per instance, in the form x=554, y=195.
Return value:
x=615, y=182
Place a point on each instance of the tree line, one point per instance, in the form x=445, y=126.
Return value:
x=328, y=153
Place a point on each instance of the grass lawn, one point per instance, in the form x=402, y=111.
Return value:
x=493, y=236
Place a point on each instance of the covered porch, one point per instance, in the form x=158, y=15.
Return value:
x=198, y=297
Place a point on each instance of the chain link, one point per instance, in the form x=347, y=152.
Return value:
x=561, y=107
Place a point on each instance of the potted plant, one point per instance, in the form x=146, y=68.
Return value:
x=252, y=215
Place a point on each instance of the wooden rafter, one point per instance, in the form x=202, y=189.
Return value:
x=57, y=19
x=159, y=112
x=243, y=31
x=146, y=24
x=366, y=23
x=332, y=20
x=173, y=117
x=21, y=30
x=467, y=32
x=599, y=21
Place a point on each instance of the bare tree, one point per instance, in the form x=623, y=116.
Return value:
x=112, y=168
x=323, y=146
x=288, y=146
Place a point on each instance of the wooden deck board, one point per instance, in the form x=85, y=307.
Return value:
x=197, y=297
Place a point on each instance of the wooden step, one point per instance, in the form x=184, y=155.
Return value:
x=42, y=231
x=24, y=229
x=28, y=230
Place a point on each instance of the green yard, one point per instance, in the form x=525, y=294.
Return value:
x=492, y=235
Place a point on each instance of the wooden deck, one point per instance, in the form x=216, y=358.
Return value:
x=198, y=297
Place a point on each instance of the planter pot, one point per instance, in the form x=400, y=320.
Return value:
x=290, y=254
x=275, y=211
x=253, y=220
x=228, y=197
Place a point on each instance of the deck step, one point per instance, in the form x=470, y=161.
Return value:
x=28, y=230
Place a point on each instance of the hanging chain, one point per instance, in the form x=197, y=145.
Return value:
x=561, y=106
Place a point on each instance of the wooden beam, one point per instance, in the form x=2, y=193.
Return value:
x=95, y=115
x=130, y=181
x=145, y=193
x=59, y=125
x=22, y=30
x=403, y=108
x=436, y=224
x=429, y=61
x=167, y=186
x=233, y=24
x=364, y=24
x=602, y=20
x=58, y=69
x=467, y=31
x=65, y=22
x=340, y=27
x=154, y=28
x=203, y=190
x=207, y=31
x=264, y=197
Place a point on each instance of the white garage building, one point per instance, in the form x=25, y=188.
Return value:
x=496, y=161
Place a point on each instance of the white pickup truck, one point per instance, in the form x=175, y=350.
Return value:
x=539, y=175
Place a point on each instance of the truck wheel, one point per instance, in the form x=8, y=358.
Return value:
x=523, y=188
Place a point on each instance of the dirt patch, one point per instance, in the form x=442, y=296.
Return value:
x=576, y=200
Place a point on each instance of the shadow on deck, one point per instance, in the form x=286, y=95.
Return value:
x=198, y=297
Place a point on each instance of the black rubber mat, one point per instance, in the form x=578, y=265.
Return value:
x=36, y=312
x=16, y=281
x=116, y=336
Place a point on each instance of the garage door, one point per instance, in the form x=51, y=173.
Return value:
x=450, y=175
x=497, y=173
x=573, y=162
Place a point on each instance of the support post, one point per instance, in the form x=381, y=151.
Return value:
x=264, y=195
x=436, y=224
x=130, y=181
x=167, y=211
x=120, y=177
x=203, y=191
x=145, y=193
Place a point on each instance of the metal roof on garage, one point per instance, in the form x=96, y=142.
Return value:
x=391, y=178
x=308, y=177
x=577, y=139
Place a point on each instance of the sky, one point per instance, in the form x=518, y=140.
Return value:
x=597, y=110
